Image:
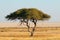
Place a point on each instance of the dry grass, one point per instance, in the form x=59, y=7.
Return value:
x=42, y=33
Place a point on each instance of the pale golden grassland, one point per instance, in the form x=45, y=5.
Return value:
x=21, y=33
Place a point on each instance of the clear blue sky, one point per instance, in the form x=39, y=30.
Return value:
x=51, y=7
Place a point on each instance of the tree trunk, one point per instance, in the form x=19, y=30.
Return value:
x=34, y=21
x=31, y=34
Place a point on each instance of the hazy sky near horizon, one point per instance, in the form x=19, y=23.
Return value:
x=51, y=7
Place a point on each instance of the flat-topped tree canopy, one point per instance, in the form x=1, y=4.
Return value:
x=28, y=13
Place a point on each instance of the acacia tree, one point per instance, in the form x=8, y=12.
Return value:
x=26, y=15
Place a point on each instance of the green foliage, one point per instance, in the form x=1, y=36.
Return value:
x=30, y=14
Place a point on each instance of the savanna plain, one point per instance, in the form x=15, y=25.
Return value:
x=21, y=33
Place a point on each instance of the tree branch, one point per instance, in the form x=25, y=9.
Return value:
x=27, y=25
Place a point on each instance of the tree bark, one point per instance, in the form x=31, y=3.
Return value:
x=34, y=21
